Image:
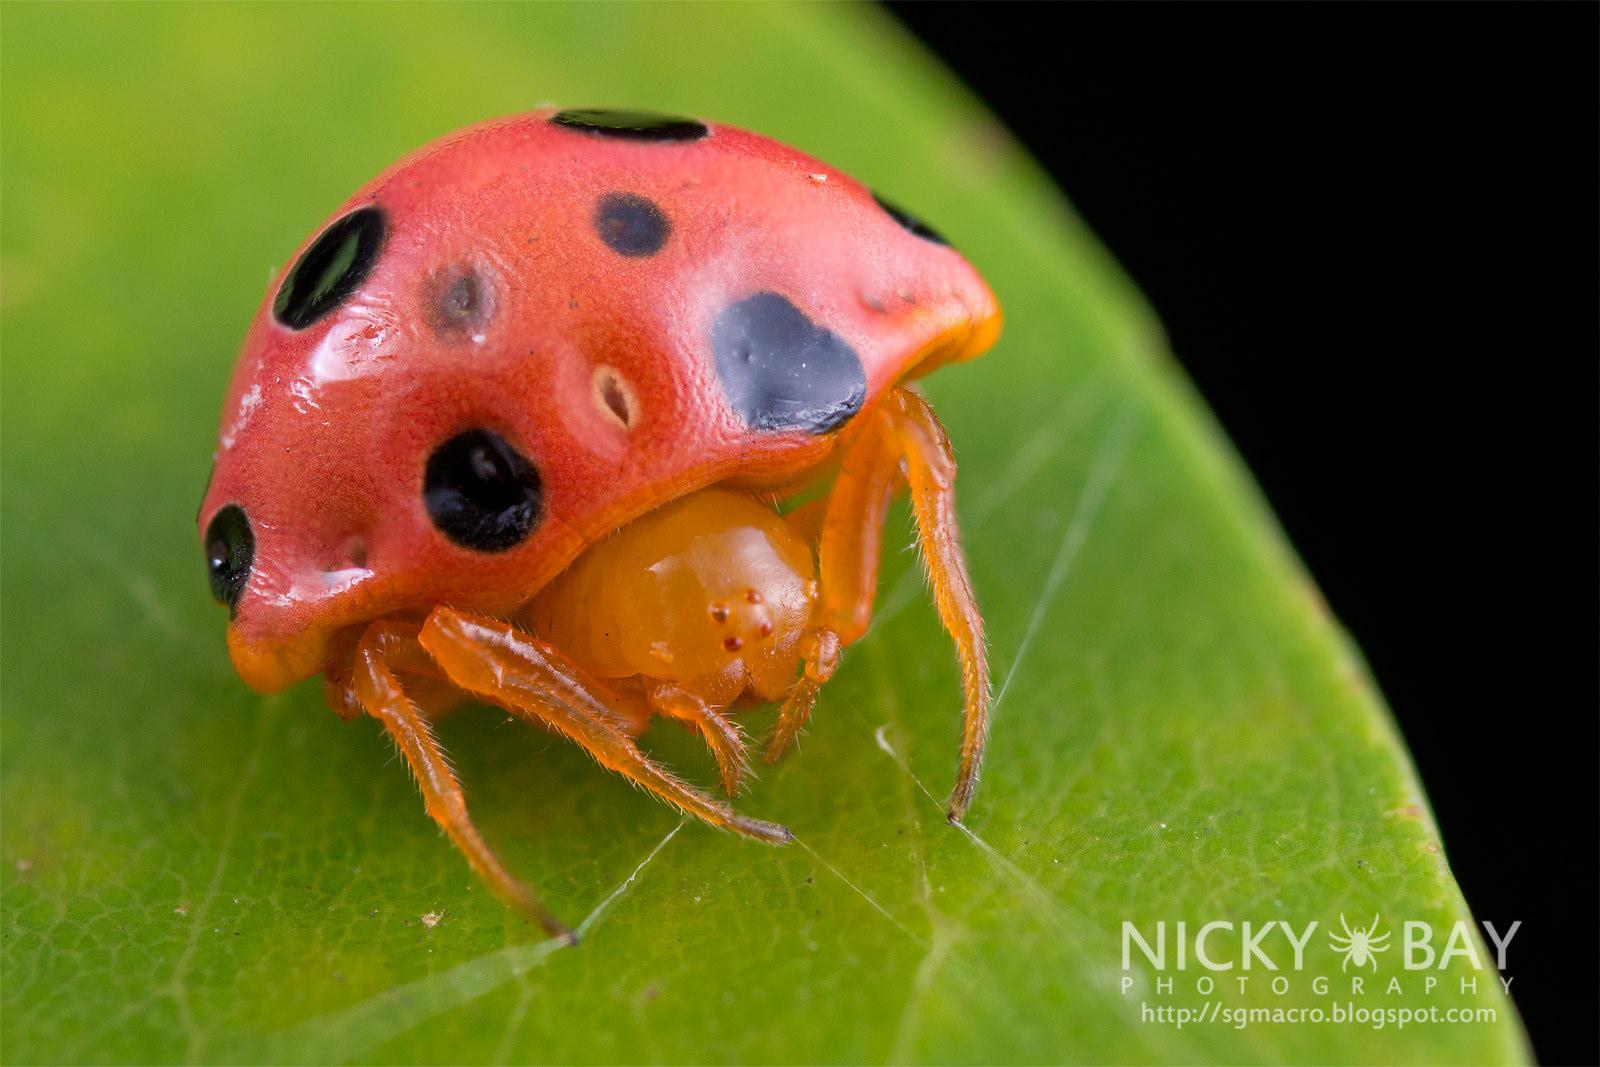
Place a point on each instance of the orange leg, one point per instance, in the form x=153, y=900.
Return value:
x=931, y=472
x=851, y=540
x=807, y=518
x=723, y=737
x=530, y=678
x=821, y=654
x=906, y=442
x=380, y=694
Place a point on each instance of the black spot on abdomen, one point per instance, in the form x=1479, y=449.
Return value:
x=631, y=225
x=230, y=553
x=630, y=125
x=331, y=269
x=781, y=371
x=481, y=492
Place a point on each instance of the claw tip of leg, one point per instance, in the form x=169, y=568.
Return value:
x=961, y=799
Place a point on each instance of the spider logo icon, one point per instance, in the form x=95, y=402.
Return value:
x=1360, y=945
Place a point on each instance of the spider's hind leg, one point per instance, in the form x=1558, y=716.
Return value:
x=903, y=443
x=930, y=466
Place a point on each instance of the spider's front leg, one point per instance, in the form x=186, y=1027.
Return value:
x=534, y=680
x=388, y=646
x=819, y=658
x=722, y=735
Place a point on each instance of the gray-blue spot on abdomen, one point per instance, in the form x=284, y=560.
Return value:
x=781, y=371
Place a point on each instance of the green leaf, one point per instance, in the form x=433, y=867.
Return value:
x=193, y=873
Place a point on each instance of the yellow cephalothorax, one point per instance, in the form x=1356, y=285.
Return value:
x=702, y=601
x=710, y=592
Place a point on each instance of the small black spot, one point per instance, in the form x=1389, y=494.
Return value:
x=781, y=371
x=911, y=222
x=480, y=492
x=458, y=302
x=331, y=269
x=631, y=225
x=230, y=552
x=630, y=125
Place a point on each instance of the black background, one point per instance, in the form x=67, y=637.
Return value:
x=1371, y=232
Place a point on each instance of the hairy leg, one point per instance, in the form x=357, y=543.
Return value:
x=722, y=736
x=904, y=443
x=821, y=656
x=531, y=678
x=930, y=467
x=379, y=693
x=851, y=537
x=849, y=540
